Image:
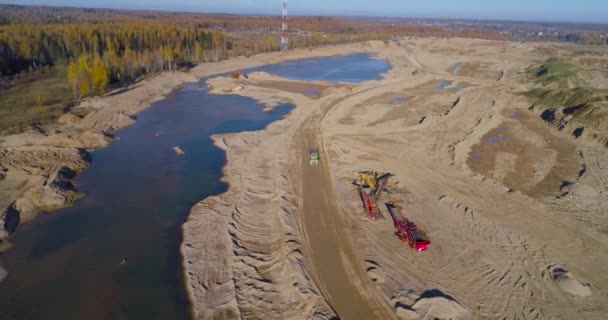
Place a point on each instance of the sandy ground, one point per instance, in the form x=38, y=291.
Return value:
x=515, y=209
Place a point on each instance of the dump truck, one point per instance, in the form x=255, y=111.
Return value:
x=313, y=157
x=407, y=231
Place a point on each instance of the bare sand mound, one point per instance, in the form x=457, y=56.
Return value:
x=432, y=304
x=440, y=308
x=566, y=281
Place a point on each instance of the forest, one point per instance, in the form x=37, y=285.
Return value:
x=98, y=54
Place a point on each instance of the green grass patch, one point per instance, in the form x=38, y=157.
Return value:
x=564, y=98
x=553, y=71
x=33, y=98
x=588, y=106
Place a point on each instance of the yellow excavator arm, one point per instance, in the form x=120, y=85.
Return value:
x=369, y=178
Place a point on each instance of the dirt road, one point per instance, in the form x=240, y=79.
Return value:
x=339, y=273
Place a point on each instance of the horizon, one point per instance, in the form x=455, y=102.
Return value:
x=295, y=10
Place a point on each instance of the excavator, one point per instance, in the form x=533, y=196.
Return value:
x=370, y=185
x=375, y=181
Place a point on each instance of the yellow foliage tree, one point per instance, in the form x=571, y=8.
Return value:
x=84, y=75
x=73, y=79
x=85, y=88
x=100, y=76
x=168, y=55
x=199, y=53
x=87, y=75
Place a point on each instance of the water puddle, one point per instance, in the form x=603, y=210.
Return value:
x=314, y=93
x=444, y=85
x=456, y=67
x=397, y=101
x=495, y=140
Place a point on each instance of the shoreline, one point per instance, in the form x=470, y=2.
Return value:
x=73, y=137
x=231, y=220
x=142, y=95
x=224, y=206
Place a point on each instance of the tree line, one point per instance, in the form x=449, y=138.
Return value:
x=118, y=52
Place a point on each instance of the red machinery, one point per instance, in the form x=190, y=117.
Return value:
x=407, y=231
x=369, y=202
x=370, y=188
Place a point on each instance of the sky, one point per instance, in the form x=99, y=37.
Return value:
x=534, y=10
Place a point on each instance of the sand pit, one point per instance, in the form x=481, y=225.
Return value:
x=487, y=250
x=483, y=174
x=523, y=154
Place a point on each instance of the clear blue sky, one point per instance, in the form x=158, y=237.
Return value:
x=540, y=10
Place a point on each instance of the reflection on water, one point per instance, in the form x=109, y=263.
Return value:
x=444, y=85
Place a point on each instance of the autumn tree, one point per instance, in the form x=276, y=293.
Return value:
x=73, y=79
x=86, y=76
x=99, y=76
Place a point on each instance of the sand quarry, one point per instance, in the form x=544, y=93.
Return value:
x=474, y=165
